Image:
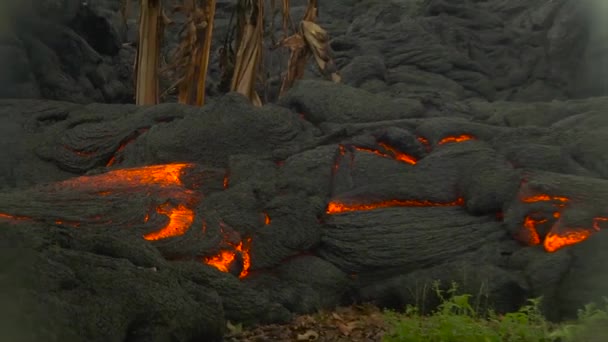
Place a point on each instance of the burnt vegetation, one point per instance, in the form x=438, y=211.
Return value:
x=195, y=209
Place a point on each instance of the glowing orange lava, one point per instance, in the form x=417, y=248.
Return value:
x=225, y=258
x=180, y=220
x=266, y=219
x=337, y=207
x=544, y=198
x=458, y=138
x=157, y=175
x=555, y=240
x=226, y=180
x=400, y=156
x=530, y=226
x=558, y=237
x=13, y=217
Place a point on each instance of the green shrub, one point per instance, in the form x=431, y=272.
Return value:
x=455, y=320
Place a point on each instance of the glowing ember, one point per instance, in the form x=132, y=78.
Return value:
x=458, y=138
x=225, y=258
x=180, y=220
x=337, y=207
x=266, y=219
x=423, y=141
x=555, y=241
x=226, y=181
x=13, y=217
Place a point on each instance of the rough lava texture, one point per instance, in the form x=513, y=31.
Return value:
x=466, y=144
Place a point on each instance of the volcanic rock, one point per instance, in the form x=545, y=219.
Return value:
x=463, y=146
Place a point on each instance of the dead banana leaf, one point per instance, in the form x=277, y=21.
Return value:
x=311, y=39
x=249, y=53
x=297, y=60
x=148, y=52
x=318, y=42
x=190, y=60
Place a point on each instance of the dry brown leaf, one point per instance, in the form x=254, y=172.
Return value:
x=316, y=43
x=190, y=60
x=347, y=328
x=309, y=335
x=148, y=52
x=249, y=53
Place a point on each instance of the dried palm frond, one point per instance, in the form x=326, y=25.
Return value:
x=151, y=24
x=310, y=39
x=249, y=52
x=190, y=60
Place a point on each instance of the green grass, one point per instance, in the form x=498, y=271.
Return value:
x=455, y=320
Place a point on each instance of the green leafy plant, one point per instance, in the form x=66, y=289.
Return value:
x=456, y=320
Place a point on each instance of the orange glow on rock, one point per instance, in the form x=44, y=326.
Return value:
x=180, y=220
x=400, y=156
x=266, y=219
x=555, y=241
x=224, y=259
x=423, y=141
x=157, y=175
x=13, y=217
x=544, y=198
x=337, y=207
x=596, y=222
x=226, y=181
x=458, y=138
x=530, y=226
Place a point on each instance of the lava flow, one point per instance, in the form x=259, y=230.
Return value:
x=224, y=260
x=457, y=138
x=180, y=220
x=558, y=236
x=335, y=207
x=393, y=153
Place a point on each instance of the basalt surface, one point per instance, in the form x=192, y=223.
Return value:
x=454, y=151
x=125, y=223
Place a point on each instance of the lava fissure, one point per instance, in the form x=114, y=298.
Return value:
x=123, y=144
x=335, y=207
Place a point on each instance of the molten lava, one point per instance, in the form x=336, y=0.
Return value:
x=558, y=237
x=180, y=220
x=399, y=155
x=458, y=138
x=555, y=241
x=266, y=219
x=531, y=230
x=338, y=207
x=544, y=198
x=393, y=153
x=225, y=258
x=155, y=175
